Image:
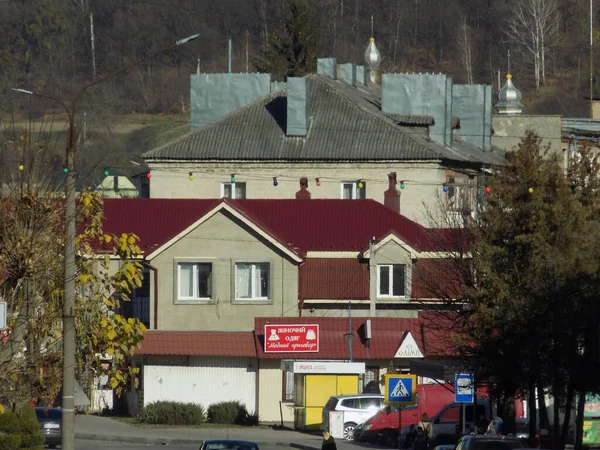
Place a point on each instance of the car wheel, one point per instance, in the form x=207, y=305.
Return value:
x=387, y=438
x=349, y=431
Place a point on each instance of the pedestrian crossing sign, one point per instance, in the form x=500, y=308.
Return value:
x=400, y=389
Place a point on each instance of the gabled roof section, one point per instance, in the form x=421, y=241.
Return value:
x=294, y=226
x=347, y=124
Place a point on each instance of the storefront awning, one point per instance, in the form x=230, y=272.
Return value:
x=442, y=370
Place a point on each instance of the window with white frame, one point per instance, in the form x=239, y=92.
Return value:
x=233, y=190
x=251, y=281
x=354, y=190
x=460, y=194
x=391, y=280
x=194, y=281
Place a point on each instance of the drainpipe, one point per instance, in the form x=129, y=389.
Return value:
x=155, y=270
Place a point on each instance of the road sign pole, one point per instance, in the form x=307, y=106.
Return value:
x=399, y=426
x=464, y=417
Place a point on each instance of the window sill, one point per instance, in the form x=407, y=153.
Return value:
x=195, y=301
x=403, y=299
x=249, y=301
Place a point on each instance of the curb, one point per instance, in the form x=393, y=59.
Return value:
x=156, y=441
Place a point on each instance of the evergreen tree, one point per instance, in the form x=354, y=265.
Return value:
x=293, y=52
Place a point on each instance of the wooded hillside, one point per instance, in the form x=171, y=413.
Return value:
x=57, y=45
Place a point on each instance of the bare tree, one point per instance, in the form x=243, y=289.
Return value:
x=534, y=26
x=465, y=48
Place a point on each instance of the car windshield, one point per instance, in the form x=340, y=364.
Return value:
x=494, y=444
x=51, y=413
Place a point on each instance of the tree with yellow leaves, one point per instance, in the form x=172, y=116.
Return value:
x=32, y=280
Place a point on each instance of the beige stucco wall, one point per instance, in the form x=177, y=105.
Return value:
x=222, y=240
x=423, y=181
x=270, y=393
x=510, y=129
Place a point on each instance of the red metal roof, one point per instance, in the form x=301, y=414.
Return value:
x=386, y=335
x=156, y=220
x=198, y=343
x=306, y=225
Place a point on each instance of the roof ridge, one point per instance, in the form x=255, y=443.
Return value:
x=381, y=117
x=216, y=122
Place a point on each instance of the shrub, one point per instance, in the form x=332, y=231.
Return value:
x=232, y=412
x=172, y=413
x=9, y=423
x=30, y=426
x=10, y=441
x=32, y=440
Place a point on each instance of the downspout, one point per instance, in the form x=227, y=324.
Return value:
x=155, y=270
x=300, y=290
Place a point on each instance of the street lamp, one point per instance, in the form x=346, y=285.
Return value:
x=68, y=386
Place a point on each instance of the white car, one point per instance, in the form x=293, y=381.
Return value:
x=357, y=408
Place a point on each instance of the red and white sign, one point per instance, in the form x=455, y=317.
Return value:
x=291, y=338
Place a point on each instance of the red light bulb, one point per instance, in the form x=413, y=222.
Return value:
x=488, y=189
x=318, y=181
x=148, y=175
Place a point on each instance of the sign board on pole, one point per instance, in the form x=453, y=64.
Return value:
x=291, y=338
x=464, y=388
x=400, y=389
x=2, y=315
x=336, y=424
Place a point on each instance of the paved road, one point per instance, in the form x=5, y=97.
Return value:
x=82, y=444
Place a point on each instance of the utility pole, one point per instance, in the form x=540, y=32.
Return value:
x=372, y=278
x=350, y=334
x=591, y=58
x=68, y=320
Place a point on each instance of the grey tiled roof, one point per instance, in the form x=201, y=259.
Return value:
x=346, y=125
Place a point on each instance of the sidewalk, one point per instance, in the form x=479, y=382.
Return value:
x=107, y=429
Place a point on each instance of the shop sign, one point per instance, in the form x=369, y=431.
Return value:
x=291, y=338
x=328, y=367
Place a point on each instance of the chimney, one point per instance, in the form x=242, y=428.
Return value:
x=215, y=95
x=421, y=94
x=298, y=92
x=347, y=72
x=303, y=193
x=391, y=197
x=326, y=66
x=472, y=104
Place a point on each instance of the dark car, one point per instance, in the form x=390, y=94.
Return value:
x=489, y=442
x=50, y=420
x=228, y=444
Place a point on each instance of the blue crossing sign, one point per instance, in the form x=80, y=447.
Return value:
x=400, y=389
x=464, y=388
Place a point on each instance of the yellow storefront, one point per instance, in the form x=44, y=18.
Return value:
x=315, y=382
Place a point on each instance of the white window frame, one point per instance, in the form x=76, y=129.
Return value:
x=391, y=281
x=355, y=189
x=229, y=183
x=255, y=272
x=195, y=298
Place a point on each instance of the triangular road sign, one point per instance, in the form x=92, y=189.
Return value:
x=408, y=348
x=400, y=390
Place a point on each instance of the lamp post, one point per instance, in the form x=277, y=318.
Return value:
x=68, y=320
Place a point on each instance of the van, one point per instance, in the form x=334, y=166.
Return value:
x=447, y=424
x=383, y=427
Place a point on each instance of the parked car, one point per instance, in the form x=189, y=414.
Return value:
x=228, y=444
x=50, y=420
x=382, y=428
x=356, y=408
x=489, y=442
